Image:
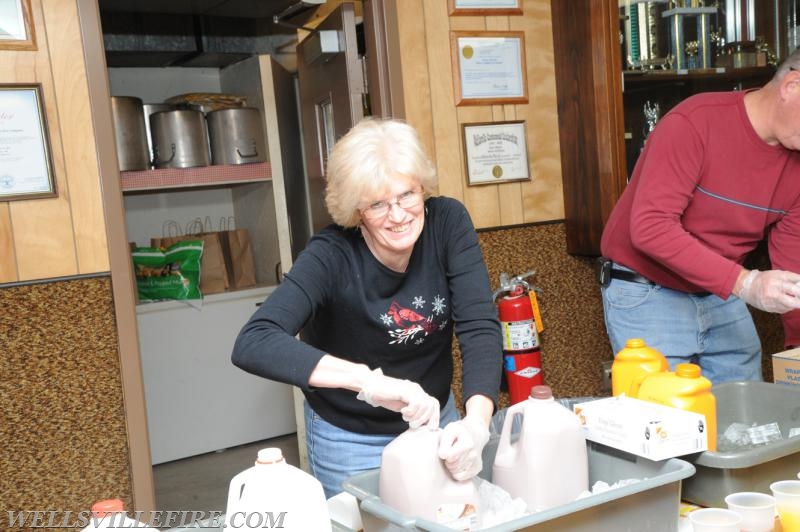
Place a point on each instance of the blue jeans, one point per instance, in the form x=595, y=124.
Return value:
x=718, y=335
x=336, y=454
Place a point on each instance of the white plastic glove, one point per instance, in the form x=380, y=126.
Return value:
x=775, y=291
x=461, y=446
x=404, y=396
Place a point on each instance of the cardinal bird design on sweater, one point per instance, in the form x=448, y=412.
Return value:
x=406, y=324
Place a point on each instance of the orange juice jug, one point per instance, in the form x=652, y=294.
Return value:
x=632, y=364
x=687, y=389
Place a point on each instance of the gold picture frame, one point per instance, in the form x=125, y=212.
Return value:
x=484, y=8
x=488, y=67
x=26, y=166
x=496, y=152
x=16, y=25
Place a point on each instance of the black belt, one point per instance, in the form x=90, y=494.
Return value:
x=631, y=277
x=606, y=272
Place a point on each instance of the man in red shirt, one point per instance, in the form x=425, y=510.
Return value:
x=718, y=174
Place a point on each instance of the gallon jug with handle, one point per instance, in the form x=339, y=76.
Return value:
x=548, y=465
x=274, y=494
x=687, y=389
x=109, y=514
x=414, y=480
x=632, y=364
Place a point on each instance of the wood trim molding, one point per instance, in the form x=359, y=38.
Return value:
x=141, y=467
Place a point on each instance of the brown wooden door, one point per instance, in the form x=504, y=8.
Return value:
x=331, y=87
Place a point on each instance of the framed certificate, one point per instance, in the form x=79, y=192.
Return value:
x=489, y=67
x=484, y=7
x=26, y=169
x=496, y=152
x=16, y=26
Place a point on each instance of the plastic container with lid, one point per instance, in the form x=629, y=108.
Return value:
x=109, y=514
x=547, y=465
x=414, y=480
x=685, y=388
x=632, y=364
x=274, y=494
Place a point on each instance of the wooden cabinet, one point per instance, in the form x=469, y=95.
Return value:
x=600, y=110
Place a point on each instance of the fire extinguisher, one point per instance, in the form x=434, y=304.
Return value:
x=520, y=322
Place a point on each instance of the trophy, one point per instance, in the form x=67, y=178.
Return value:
x=651, y=114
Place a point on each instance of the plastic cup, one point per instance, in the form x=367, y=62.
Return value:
x=715, y=520
x=787, y=501
x=757, y=510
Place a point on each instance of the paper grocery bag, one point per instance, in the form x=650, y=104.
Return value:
x=239, y=261
x=213, y=272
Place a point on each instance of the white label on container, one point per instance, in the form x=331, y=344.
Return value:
x=518, y=335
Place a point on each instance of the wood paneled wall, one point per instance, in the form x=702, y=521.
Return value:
x=65, y=235
x=425, y=62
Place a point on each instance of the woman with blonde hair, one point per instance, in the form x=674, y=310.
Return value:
x=378, y=296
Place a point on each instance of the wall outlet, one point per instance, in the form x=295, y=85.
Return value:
x=606, y=373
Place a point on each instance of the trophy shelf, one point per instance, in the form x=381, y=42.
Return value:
x=635, y=78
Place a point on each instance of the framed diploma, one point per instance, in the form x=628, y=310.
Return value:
x=484, y=8
x=16, y=26
x=496, y=152
x=489, y=67
x=26, y=169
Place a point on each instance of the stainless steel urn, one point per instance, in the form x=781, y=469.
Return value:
x=130, y=133
x=180, y=139
x=236, y=136
x=149, y=109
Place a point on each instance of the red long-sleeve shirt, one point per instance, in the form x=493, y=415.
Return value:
x=705, y=190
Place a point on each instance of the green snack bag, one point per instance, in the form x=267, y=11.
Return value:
x=171, y=273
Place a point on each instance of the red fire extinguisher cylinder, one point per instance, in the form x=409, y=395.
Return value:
x=522, y=357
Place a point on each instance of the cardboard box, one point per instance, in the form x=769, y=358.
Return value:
x=646, y=429
x=786, y=367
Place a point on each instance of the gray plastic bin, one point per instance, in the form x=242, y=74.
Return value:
x=651, y=504
x=721, y=473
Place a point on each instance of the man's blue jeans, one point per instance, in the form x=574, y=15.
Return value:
x=718, y=335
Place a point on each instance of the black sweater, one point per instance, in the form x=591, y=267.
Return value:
x=349, y=305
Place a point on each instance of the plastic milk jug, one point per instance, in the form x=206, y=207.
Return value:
x=414, y=481
x=632, y=364
x=274, y=494
x=548, y=465
x=109, y=514
x=687, y=389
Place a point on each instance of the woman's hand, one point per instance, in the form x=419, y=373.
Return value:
x=404, y=396
x=462, y=442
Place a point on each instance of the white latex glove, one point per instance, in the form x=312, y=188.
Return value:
x=771, y=291
x=404, y=396
x=461, y=446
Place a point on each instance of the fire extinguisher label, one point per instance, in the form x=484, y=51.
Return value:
x=519, y=335
x=528, y=372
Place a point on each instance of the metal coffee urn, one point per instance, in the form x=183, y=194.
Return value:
x=180, y=139
x=130, y=133
x=236, y=136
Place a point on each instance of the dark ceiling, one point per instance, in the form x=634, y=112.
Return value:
x=214, y=8
x=196, y=33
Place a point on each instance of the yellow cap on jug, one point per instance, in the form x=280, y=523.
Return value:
x=632, y=364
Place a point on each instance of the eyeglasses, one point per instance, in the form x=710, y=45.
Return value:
x=407, y=200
